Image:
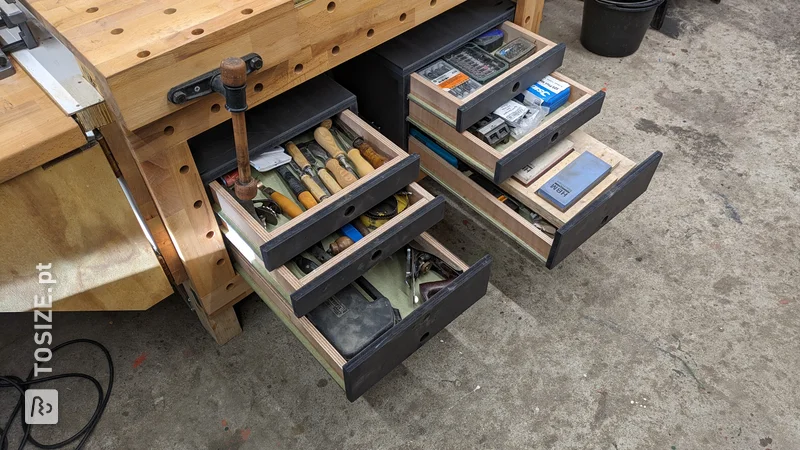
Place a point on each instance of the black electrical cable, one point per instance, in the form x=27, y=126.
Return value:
x=21, y=385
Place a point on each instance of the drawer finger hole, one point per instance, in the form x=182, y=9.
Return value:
x=377, y=254
x=515, y=87
x=554, y=137
x=424, y=337
x=349, y=211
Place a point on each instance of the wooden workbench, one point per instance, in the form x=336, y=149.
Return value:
x=50, y=177
x=134, y=51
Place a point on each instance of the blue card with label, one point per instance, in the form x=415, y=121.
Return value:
x=574, y=181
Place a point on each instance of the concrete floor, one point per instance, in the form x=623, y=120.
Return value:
x=675, y=327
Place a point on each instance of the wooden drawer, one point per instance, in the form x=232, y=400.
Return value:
x=309, y=291
x=289, y=238
x=503, y=162
x=461, y=113
x=417, y=326
x=620, y=188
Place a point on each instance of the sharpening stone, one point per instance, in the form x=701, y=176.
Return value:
x=572, y=182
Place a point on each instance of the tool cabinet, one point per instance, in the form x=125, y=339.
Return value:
x=445, y=118
x=378, y=256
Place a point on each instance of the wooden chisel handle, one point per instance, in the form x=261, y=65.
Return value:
x=288, y=207
x=343, y=177
x=362, y=166
x=375, y=159
x=312, y=186
x=325, y=139
x=329, y=181
x=297, y=155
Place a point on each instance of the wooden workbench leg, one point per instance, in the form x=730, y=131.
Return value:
x=180, y=196
x=529, y=14
x=114, y=142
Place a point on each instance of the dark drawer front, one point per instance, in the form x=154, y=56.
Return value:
x=511, y=85
x=391, y=349
x=318, y=290
x=550, y=136
x=602, y=210
x=332, y=215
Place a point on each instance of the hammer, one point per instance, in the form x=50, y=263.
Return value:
x=233, y=75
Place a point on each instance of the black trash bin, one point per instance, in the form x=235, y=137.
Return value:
x=616, y=28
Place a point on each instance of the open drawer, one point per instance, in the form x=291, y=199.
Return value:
x=415, y=327
x=505, y=160
x=461, y=113
x=626, y=182
x=309, y=291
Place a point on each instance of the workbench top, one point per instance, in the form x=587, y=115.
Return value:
x=137, y=50
x=33, y=129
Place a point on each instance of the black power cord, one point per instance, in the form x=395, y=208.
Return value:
x=21, y=385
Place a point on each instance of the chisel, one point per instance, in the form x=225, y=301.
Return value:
x=316, y=190
x=366, y=150
x=326, y=177
x=362, y=166
x=325, y=138
x=288, y=207
x=305, y=197
x=343, y=177
x=308, y=176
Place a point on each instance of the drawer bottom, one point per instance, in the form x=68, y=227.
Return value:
x=417, y=325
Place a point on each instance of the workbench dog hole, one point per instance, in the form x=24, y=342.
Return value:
x=298, y=68
x=229, y=287
x=331, y=6
x=92, y=10
x=168, y=131
x=258, y=87
x=403, y=17
x=527, y=20
x=210, y=234
x=198, y=204
x=215, y=108
x=433, y=2
x=335, y=50
x=247, y=11
x=184, y=169
x=221, y=261
x=116, y=31
x=143, y=54
x=370, y=33
x=169, y=11
x=198, y=31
